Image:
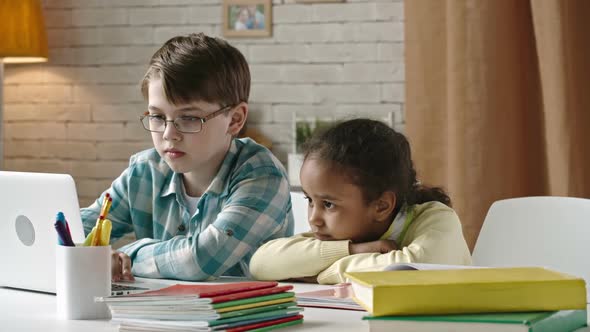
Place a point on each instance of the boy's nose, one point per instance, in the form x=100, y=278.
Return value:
x=171, y=133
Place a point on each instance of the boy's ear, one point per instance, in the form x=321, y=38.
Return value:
x=238, y=119
x=384, y=206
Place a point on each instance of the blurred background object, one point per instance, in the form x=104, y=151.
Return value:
x=22, y=40
x=496, y=100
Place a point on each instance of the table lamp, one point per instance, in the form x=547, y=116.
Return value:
x=22, y=40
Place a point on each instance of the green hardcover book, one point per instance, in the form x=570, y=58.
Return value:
x=260, y=315
x=249, y=311
x=543, y=321
x=278, y=326
x=237, y=303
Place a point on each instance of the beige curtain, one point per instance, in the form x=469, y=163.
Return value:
x=496, y=103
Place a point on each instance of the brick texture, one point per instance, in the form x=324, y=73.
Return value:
x=79, y=113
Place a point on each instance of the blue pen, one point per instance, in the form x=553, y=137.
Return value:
x=62, y=218
x=61, y=236
x=64, y=236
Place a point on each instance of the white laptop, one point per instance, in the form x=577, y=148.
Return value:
x=29, y=203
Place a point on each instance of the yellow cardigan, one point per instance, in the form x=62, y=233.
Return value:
x=434, y=235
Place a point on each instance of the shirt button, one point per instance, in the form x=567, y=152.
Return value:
x=181, y=228
x=229, y=232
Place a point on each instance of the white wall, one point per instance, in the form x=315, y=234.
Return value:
x=78, y=114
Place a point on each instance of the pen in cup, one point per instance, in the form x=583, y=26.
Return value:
x=105, y=234
x=100, y=234
x=63, y=234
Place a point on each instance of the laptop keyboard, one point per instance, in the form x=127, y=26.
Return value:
x=118, y=289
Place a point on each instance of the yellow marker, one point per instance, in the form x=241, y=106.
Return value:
x=107, y=208
x=105, y=233
x=100, y=234
x=88, y=241
x=96, y=237
x=103, y=207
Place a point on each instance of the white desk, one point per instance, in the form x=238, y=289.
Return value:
x=28, y=311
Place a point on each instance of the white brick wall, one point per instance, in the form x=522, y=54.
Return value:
x=78, y=114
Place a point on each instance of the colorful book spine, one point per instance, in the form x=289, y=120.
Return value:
x=269, y=325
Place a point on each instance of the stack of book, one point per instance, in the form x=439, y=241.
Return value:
x=333, y=297
x=237, y=306
x=487, y=299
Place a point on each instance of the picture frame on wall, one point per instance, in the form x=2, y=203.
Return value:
x=247, y=18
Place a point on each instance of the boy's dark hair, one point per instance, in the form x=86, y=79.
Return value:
x=198, y=67
x=377, y=159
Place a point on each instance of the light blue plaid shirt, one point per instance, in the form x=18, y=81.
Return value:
x=247, y=203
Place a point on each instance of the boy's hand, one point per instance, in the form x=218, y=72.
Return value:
x=121, y=267
x=380, y=246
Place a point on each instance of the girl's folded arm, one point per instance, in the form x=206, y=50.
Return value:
x=434, y=240
x=295, y=257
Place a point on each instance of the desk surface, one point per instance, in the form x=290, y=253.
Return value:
x=28, y=311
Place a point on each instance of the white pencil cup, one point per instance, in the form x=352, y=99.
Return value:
x=82, y=273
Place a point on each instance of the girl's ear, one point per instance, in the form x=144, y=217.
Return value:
x=384, y=206
x=238, y=119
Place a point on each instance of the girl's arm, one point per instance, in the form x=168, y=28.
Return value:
x=295, y=257
x=435, y=236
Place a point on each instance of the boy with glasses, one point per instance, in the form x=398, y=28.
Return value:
x=201, y=201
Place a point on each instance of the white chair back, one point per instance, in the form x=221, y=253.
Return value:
x=552, y=232
x=299, y=206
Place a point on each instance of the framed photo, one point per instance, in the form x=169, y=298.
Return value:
x=247, y=18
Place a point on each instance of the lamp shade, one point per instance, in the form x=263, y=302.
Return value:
x=22, y=31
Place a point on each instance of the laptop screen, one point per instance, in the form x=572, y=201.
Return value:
x=29, y=203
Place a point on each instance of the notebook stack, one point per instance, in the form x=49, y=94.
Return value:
x=333, y=297
x=237, y=306
x=488, y=299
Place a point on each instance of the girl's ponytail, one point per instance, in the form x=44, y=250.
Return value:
x=422, y=194
x=419, y=193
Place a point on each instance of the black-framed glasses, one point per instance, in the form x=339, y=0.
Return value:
x=157, y=123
